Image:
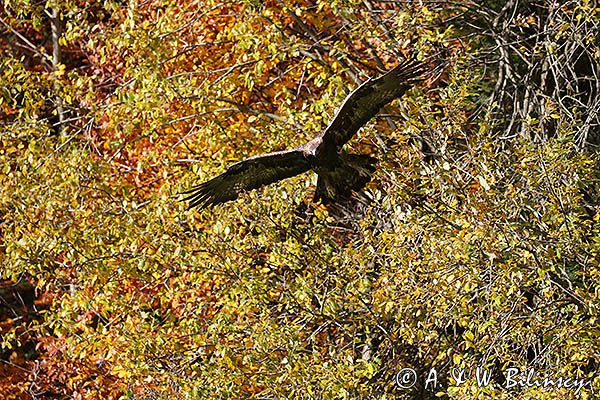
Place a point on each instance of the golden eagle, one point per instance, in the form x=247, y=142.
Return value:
x=339, y=173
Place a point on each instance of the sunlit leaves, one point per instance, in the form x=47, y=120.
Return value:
x=484, y=254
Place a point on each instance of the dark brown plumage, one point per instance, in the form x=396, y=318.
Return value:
x=339, y=173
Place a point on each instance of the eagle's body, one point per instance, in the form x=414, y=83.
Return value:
x=339, y=173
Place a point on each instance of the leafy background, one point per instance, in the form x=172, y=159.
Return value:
x=479, y=246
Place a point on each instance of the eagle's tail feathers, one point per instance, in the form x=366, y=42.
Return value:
x=351, y=175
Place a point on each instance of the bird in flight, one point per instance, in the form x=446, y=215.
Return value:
x=339, y=173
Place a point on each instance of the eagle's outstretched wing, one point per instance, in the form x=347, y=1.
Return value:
x=362, y=104
x=246, y=175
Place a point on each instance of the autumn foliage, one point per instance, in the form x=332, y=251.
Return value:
x=476, y=244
